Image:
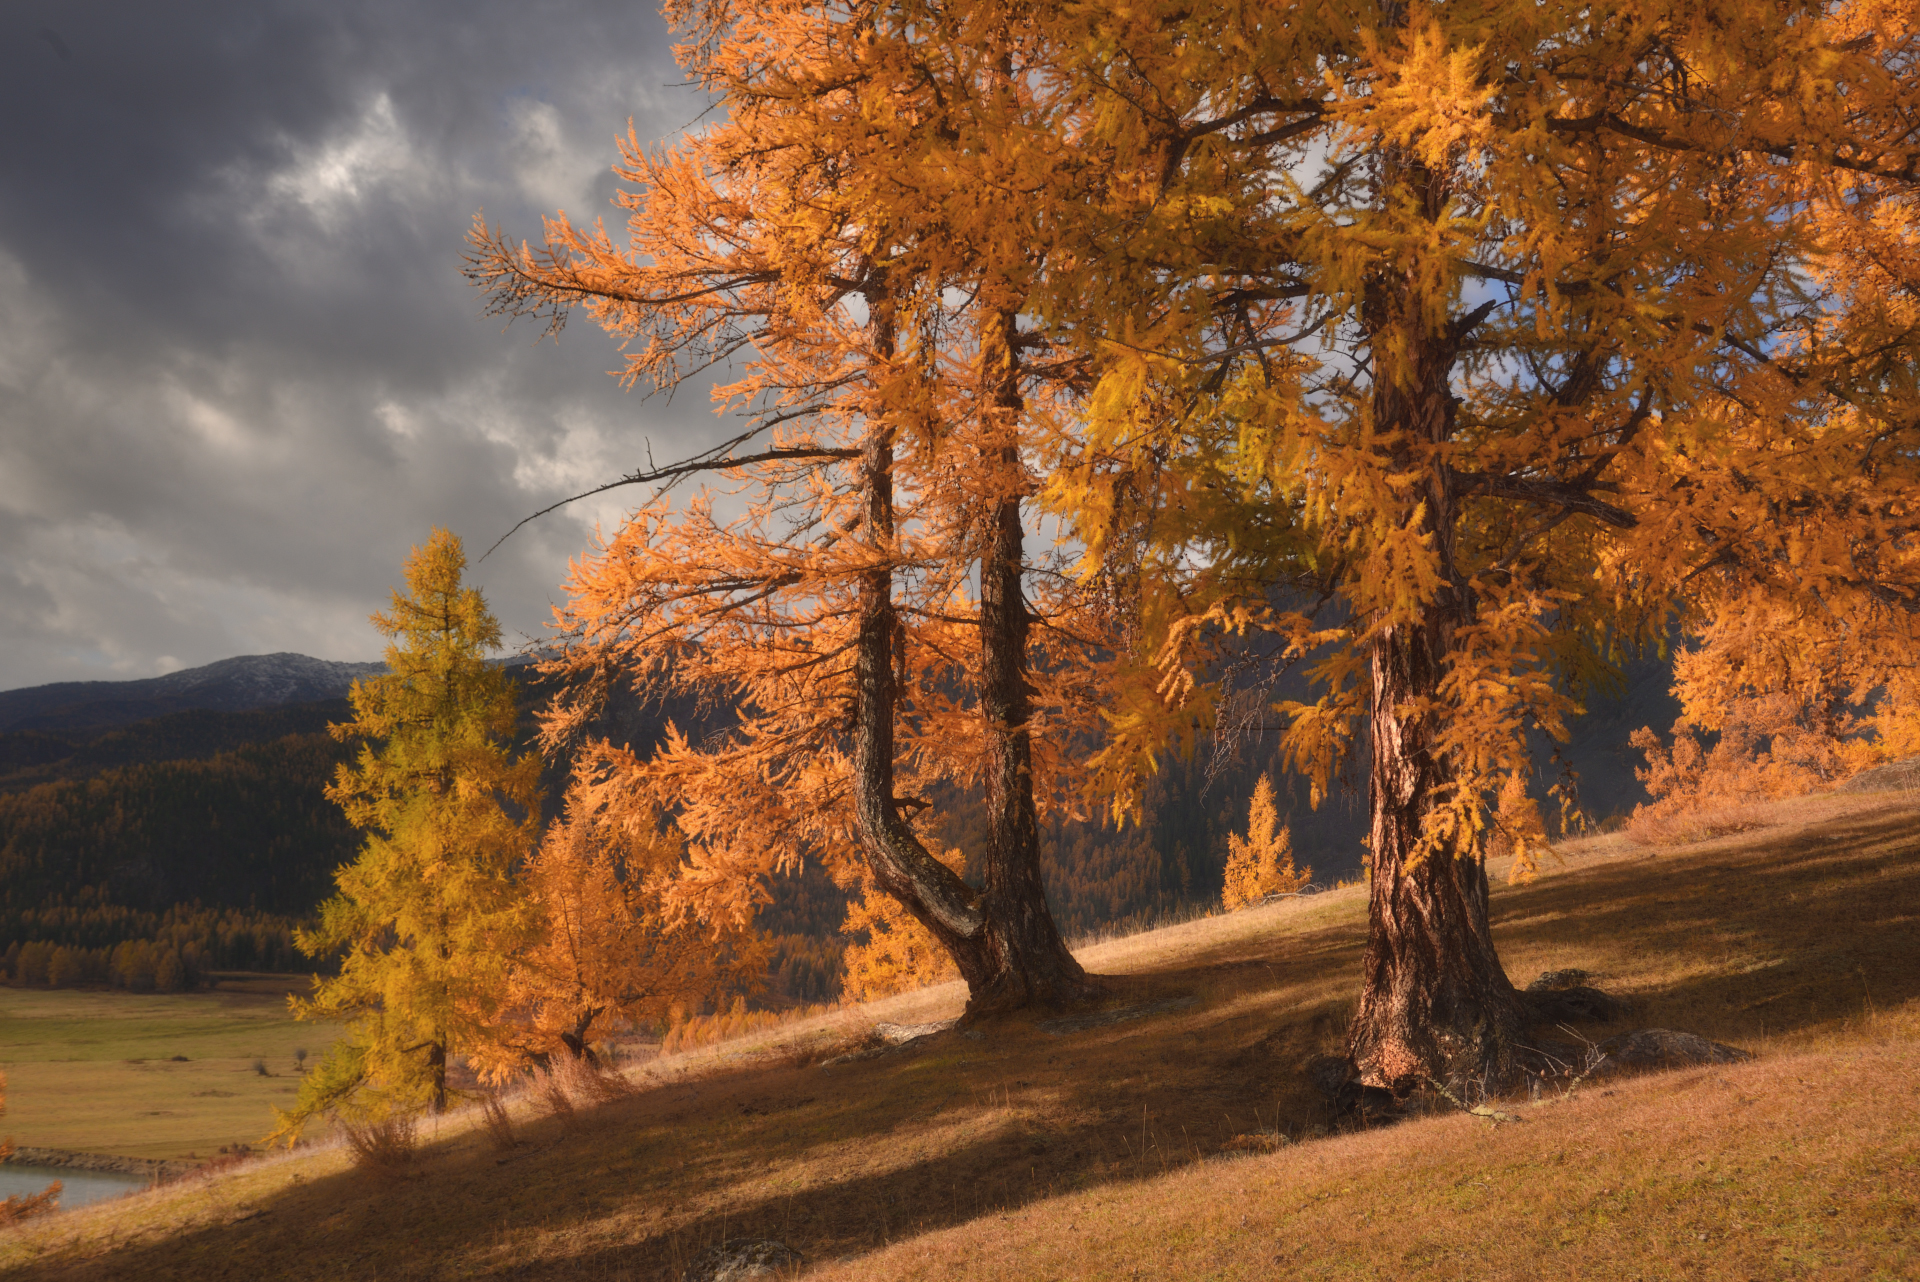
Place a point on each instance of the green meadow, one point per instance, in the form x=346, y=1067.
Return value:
x=151, y=1074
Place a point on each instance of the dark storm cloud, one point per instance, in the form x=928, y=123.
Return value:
x=240, y=372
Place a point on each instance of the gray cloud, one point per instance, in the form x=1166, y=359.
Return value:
x=240, y=372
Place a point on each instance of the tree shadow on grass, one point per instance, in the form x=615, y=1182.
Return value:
x=1776, y=933
x=1792, y=930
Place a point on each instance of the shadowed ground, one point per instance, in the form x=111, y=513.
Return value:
x=1797, y=941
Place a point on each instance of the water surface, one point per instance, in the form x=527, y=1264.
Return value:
x=79, y=1187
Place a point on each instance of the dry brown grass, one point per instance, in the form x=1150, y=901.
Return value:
x=1761, y=1171
x=388, y=1147
x=1683, y=827
x=493, y=1113
x=1126, y=1147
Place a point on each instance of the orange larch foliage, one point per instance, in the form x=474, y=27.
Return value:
x=1453, y=350
x=868, y=614
x=888, y=950
x=1450, y=349
x=1779, y=699
x=1261, y=863
x=603, y=951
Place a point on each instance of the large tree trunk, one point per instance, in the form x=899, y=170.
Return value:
x=437, y=1076
x=1035, y=968
x=1435, y=1001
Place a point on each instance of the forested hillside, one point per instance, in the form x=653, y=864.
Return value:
x=249, y=828
x=209, y=828
x=31, y=757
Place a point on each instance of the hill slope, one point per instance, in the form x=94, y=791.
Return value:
x=1122, y=1149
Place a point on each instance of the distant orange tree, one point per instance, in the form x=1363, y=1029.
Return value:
x=1261, y=863
x=603, y=952
x=1777, y=700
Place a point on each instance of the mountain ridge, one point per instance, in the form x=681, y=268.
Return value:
x=239, y=684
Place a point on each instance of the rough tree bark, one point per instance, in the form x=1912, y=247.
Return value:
x=437, y=1075
x=1036, y=967
x=1435, y=1000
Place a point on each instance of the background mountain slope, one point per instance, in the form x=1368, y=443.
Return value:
x=216, y=802
x=231, y=685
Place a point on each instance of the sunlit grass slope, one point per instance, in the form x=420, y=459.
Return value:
x=149, y=1075
x=1133, y=1149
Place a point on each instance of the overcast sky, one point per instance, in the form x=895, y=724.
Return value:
x=240, y=372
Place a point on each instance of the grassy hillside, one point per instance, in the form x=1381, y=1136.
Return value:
x=1184, y=1142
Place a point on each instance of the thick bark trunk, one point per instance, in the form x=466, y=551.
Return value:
x=1435, y=1001
x=575, y=1039
x=437, y=1076
x=1035, y=967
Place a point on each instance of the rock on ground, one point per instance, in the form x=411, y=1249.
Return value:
x=736, y=1261
x=1665, y=1048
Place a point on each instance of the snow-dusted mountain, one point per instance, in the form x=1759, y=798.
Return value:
x=231, y=685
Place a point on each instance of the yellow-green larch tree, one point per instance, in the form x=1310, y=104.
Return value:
x=427, y=915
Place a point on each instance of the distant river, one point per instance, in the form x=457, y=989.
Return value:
x=80, y=1187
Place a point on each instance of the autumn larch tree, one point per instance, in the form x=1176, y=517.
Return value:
x=1504, y=334
x=602, y=950
x=837, y=614
x=1261, y=863
x=427, y=916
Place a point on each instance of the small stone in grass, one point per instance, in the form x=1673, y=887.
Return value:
x=737, y=1261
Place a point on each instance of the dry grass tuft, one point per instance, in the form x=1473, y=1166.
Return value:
x=387, y=1148
x=493, y=1112
x=1683, y=826
x=567, y=1084
x=600, y=1082
x=553, y=1091
x=737, y=1022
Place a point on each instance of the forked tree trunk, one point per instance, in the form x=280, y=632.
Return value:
x=1003, y=940
x=901, y=866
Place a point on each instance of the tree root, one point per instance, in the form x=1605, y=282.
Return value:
x=1546, y=1069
